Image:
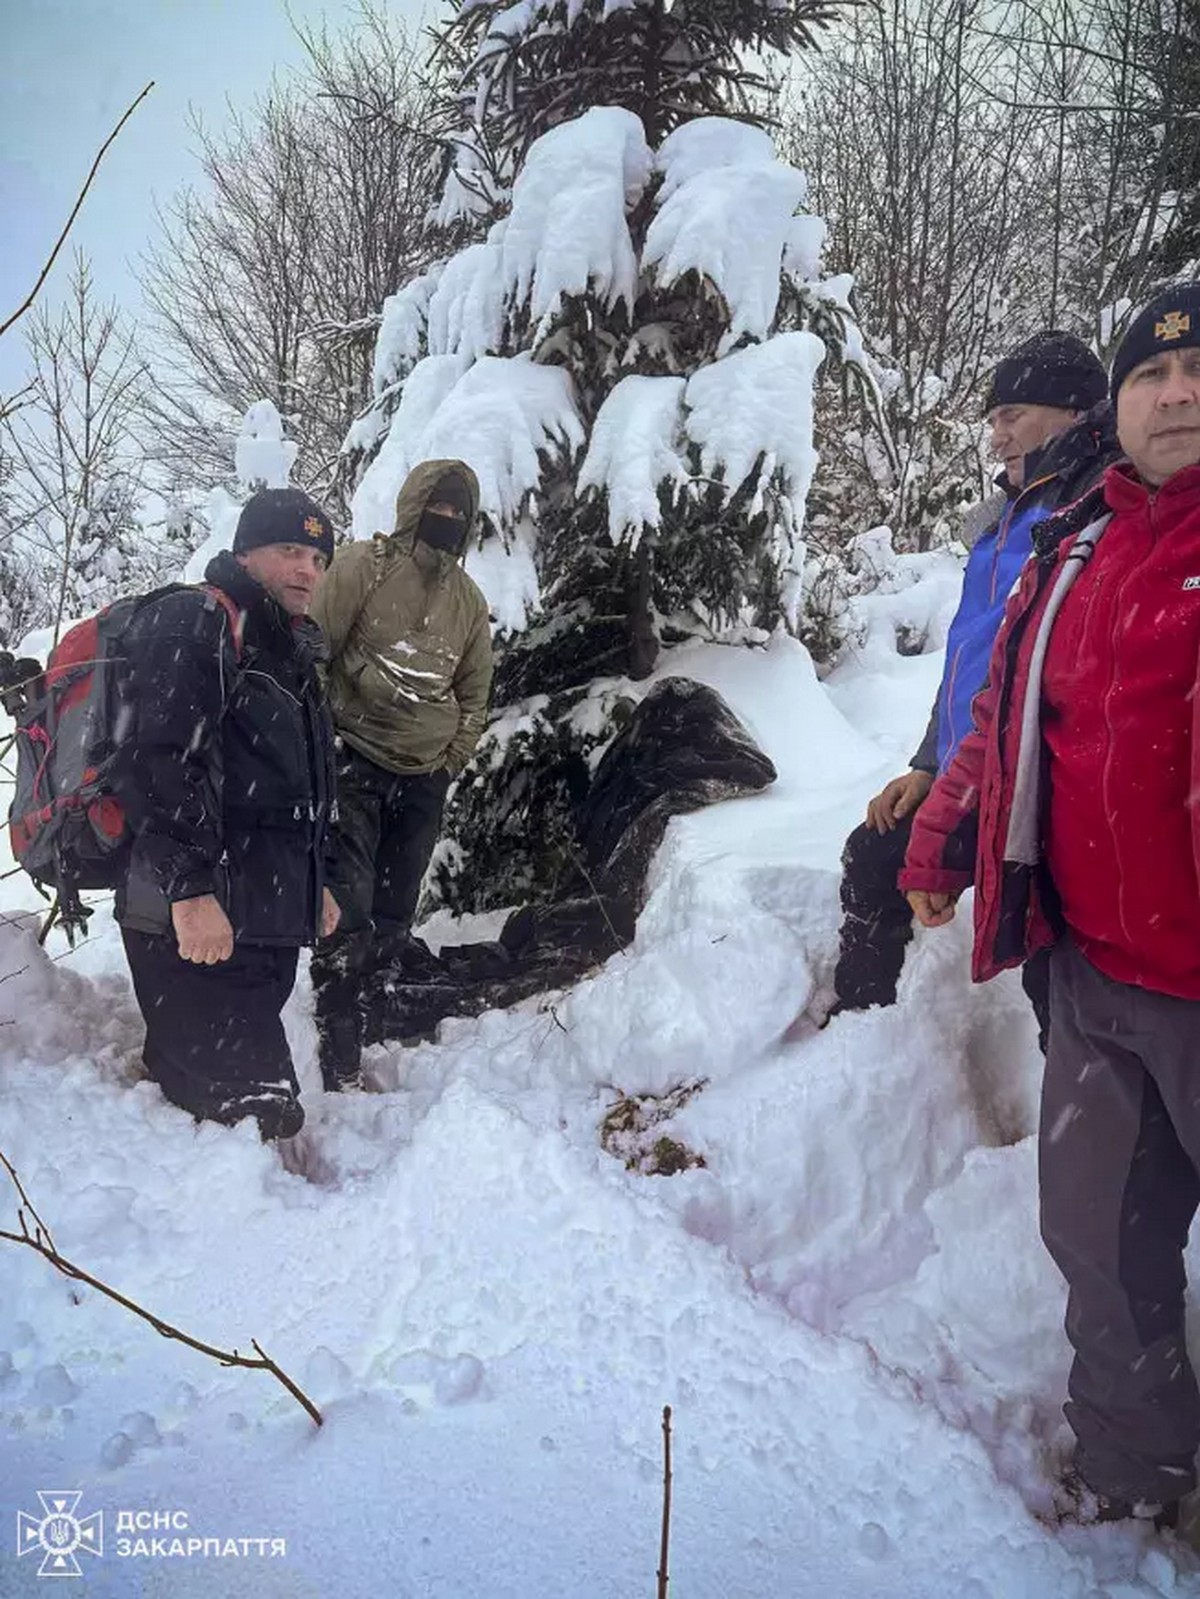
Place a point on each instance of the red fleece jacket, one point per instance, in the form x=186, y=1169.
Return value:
x=1119, y=709
x=1120, y=731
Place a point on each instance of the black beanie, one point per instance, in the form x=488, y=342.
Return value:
x=1170, y=322
x=451, y=489
x=283, y=516
x=1051, y=368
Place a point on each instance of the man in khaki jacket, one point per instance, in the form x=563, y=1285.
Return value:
x=409, y=676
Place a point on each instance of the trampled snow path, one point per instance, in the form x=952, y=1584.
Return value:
x=848, y=1307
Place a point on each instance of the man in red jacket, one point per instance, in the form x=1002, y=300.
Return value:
x=1074, y=807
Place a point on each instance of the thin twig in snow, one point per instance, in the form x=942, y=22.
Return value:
x=42, y=1243
x=665, y=1541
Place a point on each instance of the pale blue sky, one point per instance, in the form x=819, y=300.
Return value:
x=68, y=68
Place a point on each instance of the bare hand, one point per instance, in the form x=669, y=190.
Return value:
x=331, y=915
x=203, y=931
x=899, y=799
x=931, y=910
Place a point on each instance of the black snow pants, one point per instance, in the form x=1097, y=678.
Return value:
x=1119, y=1152
x=877, y=927
x=215, y=1042
x=877, y=922
x=388, y=825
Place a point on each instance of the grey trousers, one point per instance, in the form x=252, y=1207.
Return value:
x=1119, y=1151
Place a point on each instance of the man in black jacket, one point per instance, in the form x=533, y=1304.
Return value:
x=1053, y=429
x=226, y=777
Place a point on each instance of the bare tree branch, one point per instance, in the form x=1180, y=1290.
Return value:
x=73, y=472
x=38, y=1238
x=269, y=283
x=53, y=256
x=664, y=1543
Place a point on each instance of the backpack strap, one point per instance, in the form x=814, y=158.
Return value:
x=237, y=617
x=387, y=560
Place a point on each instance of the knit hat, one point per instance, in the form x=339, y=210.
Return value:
x=1170, y=322
x=451, y=489
x=1051, y=368
x=283, y=516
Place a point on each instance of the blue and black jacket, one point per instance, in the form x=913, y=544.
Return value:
x=1055, y=475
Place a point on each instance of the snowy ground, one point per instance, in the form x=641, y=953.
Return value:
x=847, y=1307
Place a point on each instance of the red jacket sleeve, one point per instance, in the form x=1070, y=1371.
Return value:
x=941, y=849
x=946, y=827
x=945, y=835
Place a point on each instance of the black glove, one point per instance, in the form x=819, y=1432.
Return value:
x=20, y=680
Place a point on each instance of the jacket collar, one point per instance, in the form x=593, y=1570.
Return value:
x=266, y=619
x=1035, y=471
x=1125, y=491
x=1093, y=436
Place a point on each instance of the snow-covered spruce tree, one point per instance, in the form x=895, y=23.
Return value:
x=627, y=360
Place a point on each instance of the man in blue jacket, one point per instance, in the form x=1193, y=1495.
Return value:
x=1052, y=430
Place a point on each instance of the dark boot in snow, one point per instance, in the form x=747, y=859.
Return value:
x=1077, y=1503
x=277, y=1111
x=339, y=1040
x=835, y=1009
x=282, y=1118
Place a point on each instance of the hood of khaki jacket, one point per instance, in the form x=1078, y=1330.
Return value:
x=417, y=491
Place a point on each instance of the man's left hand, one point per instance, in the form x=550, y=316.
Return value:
x=331, y=915
x=931, y=910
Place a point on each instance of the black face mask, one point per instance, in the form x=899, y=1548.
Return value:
x=442, y=532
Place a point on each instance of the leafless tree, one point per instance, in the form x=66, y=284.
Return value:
x=1128, y=92
x=988, y=168
x=20, y=590
x=74, y=476
x=920, y=176
x=268, y=281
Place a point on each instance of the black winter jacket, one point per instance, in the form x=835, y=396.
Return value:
x=226, y=764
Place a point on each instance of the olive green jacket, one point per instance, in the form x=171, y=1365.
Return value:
x=409, y=640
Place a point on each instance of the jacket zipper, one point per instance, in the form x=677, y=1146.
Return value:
x=318, y=800
x=318, y=809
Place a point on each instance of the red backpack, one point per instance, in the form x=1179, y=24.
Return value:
x=66, y=826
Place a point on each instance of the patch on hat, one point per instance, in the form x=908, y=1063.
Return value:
x=1173, y=326
x=313, y=527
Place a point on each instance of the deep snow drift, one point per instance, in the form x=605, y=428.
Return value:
x=847, y=1305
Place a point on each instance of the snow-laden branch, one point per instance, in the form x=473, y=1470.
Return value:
x=503, y=416
x=636, y=445
x=567, y=231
